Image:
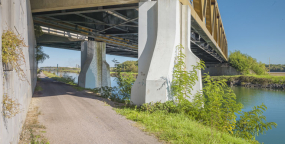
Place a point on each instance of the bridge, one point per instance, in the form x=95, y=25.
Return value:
x=147, y=30
x=143, y=29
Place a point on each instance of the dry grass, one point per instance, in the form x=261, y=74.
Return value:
x=32, y=132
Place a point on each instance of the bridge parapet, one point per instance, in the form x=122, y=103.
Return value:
x=207, y=22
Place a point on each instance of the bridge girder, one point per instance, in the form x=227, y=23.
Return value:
x=117, y=26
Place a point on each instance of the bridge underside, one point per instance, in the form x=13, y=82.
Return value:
x=116, y=25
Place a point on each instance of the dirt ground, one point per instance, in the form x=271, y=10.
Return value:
x=33, y=131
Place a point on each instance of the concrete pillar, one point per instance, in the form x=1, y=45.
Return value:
x=191, y=58
x=95, y=71
x=160, y=31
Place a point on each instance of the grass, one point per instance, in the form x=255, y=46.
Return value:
x=32, y=131
x=60, y=79
x=65, y=80
x=71, y=71
x=270, y=79
x=38, y=88
x=177, y=128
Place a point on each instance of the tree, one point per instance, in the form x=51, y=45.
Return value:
x=40, y=55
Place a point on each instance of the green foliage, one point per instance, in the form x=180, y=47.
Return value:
x=124, y=83
x=38, y=31
x=219, y=105
x=38, y=88
x=65, y=78
x=244, y=63
x=254, y=79
x=276, y=67
x=176, y=127
x=40, y=55
x=215, y=106
x=253, y=123
x=183, y=81
x=12, y=53
x=128, y=66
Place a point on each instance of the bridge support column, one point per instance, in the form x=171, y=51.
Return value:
x=161, y=30
x=95, y=71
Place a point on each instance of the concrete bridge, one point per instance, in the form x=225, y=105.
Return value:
x=143, y=29
x=147, y=30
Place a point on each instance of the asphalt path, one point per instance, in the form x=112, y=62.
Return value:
x=78, y=117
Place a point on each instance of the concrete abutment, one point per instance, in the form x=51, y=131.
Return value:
x=16, y=16
x=163, y=25
x=95, y=71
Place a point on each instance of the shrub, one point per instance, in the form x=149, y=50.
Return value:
x=244, y=63
x=124, y=83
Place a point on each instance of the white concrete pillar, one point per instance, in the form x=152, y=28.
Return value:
x=95, y=71
x=160, y=31
x=191, y=58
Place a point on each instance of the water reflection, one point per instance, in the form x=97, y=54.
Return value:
x=75, y=75
x=275, y=102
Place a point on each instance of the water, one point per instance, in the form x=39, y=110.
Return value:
x=275, y=102
x=75, y=75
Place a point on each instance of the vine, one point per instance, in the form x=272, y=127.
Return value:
x=12, y=54
x=11, y=107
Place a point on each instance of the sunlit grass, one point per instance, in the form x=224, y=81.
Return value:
x=275, y=79
x=177, y=128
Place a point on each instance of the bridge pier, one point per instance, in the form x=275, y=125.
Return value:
x=161, y=29
x=95, y=71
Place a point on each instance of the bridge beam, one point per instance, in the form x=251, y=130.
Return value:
x=52, y=5
x=161, y=30
x=95, y=71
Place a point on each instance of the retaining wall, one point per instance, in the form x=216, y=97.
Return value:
x=16, y=16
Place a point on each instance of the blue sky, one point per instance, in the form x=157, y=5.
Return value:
x=255, y=27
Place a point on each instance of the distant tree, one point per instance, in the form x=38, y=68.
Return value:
x=129, y=66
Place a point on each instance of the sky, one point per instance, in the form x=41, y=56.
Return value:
x=255, y=27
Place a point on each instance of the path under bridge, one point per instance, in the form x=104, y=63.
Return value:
x=147, y=30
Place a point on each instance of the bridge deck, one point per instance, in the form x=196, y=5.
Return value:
x=116, y=23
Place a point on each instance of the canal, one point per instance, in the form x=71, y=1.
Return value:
x=273, y=99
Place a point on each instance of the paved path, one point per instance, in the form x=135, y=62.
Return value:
x=73, y=117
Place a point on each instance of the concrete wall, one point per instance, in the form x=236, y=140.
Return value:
x=16, y=16
x=220, y=69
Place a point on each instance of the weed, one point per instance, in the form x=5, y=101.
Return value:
x=12, y=53
x=11, y=107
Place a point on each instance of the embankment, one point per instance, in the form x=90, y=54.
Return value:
x=256, y=81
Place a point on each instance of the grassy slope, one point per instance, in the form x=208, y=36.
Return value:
x=275, y=79
x=177, y=128
x=57, y=78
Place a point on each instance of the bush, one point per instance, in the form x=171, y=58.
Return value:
x=124, y=83
x=214, y=106
x=244, y=63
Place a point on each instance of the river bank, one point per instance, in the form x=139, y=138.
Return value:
x=255, y=81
